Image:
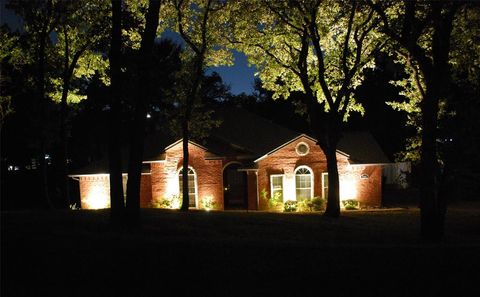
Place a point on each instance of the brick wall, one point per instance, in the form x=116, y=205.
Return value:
x=95, y=191
x=369, y=185
x=163, y=180
x=145, y=191
x=284, y=161
x=164, y=175
x=252, y=190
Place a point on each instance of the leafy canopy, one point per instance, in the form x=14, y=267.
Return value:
x=308, y=46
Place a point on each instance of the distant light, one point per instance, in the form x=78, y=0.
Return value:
x=47, y=156
x=149, y=115
x=16, y=168
x=10, y=168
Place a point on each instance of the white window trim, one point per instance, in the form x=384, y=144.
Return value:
x=323, y=183
x=195, y=181
x=311, y=180
x=302, y=154
x=271, y=183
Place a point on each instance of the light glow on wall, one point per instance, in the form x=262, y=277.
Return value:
x=348, y=189
x=289, y=187
x=176, y=202
x=172, y=185
x=208, y=203
x=97, y=198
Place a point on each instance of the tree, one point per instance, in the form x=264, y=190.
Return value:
x=66, y=35
x=421, y=33
x=40, y=19
x=114, y=157
x=138, y=128
x=465, y=63
x=6, y=49
x=199, y=23
x=318, y=48
x=80, y=31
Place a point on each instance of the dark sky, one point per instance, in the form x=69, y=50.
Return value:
x=239, y=77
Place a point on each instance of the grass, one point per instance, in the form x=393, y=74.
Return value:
x=371, y=253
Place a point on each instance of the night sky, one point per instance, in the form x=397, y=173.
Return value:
x=239, y=77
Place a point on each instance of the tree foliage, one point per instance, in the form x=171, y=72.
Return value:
x=200, y=24
x=318, y=48
x=421, y=35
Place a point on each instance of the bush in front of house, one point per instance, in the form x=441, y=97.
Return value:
x=308, y=205
x=208, y=203
x=275, y=202
x=290, y=206
x=351, y=204
x=172, y=202
x=304, y=205
x=318, y=203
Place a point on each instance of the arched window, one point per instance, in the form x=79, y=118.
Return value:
x=304, y=183
x=192, y=186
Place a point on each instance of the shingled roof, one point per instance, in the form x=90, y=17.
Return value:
x=251, y=132
x=246, y=134
x=362, y=148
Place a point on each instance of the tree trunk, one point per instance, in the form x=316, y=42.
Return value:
x=62, y=156
x=327, y=130
x=333, y=200
x=190, y=101
x=432, y=204
x=138, y=129
x=432, y=214
x=62, y=162
x=114, y=156
x=40, y=78
x=185, y=134
x=135, y=164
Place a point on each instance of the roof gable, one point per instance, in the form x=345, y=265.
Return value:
x=362, y=148
x=189, y=142
x=293, y=140
x=208, y=153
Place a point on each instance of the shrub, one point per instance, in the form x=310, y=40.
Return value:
x=276, y=200
x=290, y=206
x=172, y=202
x=350, y=204
x=318, y=203
x=208, y=203
x=305, y=205
x=273, y=202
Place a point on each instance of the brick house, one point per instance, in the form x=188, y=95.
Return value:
x=244, y=161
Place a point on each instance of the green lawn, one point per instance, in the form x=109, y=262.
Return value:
x=371, y=253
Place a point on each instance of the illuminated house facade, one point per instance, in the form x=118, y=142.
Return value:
x=245, y=161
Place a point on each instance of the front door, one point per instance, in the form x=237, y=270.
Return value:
x=234, y=187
